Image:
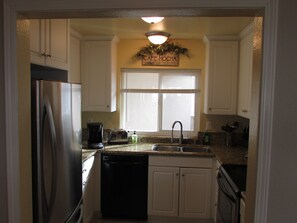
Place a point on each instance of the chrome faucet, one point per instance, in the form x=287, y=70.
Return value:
x=181, y=132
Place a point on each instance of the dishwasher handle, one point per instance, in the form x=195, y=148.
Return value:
x=124, y=163
x=124, y=158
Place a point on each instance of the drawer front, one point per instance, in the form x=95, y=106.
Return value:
x=180, y=161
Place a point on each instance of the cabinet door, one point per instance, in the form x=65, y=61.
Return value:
x=49, y=42
x=37, y=43
x=245, y=75
x=221, y=78
x=98, y=84
x=195, y=192
x=163, y=191
x=88, y=199
x=74, y=71
x=57, y=42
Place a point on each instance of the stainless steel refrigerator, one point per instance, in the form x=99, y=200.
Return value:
x=56, y=152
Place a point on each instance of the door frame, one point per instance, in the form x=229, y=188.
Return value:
x=11, y=95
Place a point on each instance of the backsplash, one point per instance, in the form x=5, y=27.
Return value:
x=216, y=138
x=220, y=139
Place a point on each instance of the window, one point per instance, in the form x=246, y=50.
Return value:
x=153, y=99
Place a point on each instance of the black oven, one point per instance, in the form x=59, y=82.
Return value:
x=231, y=182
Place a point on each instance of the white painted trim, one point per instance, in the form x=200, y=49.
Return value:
x=75, y=34
x=92, y=5
x=247, y=30
x=12, y=145
x=101, y=38
x=11, y=110
x=208, y=38
x=266, y=112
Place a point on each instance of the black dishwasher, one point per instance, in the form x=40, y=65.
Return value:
x=124, y=181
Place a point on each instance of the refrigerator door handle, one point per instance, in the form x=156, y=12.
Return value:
x=77, y=215
x=47, y=114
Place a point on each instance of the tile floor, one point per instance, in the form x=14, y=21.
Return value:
x=161, y=220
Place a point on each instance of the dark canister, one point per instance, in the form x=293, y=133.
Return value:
x=95, y=131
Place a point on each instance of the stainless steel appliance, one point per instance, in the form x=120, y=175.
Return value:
x=231, y=181
x=95, y=140
x=118, y=136
x=56, y=152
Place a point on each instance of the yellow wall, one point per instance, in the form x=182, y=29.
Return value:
x=125, y=51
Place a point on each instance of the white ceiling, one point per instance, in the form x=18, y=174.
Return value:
x=178, y=27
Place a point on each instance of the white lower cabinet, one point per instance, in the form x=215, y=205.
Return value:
x=195, y=192
x=91, y=197
x=180, y=189
x=163, y=191
x=88, y=207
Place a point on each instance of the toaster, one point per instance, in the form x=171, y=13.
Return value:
x=118, y=136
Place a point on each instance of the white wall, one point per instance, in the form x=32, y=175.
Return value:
x=283, y=180
x=3, y=186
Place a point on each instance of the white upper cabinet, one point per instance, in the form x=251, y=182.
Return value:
x=99, y=74
x=245, y=71
x=221, y=75
x=75, y=57
x=49, y=42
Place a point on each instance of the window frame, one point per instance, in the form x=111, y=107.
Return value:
x=162, y=72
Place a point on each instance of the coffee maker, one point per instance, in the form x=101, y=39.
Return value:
x=95, y=140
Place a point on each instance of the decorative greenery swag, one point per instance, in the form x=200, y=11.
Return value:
x=161, y=49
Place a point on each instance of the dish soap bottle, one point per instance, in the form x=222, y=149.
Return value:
x=134, y=138
x=206, y=138
x=206, y=134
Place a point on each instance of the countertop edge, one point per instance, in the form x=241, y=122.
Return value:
x=225, y=155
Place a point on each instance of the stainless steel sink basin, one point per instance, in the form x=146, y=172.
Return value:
x=166, y=147
x=196, y=149
x=181, y=148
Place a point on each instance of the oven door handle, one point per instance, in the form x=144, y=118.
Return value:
x=224, y=190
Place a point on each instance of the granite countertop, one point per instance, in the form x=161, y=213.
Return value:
x=230, y=155
x=87, y=153
x=225, y=155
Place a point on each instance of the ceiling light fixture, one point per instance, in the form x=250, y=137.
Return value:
x=157, y=37
x=152, y=20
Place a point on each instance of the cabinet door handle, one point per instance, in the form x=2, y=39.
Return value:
x=209, y=109
x=176, y=174
x=244, y=110
x=183, y=175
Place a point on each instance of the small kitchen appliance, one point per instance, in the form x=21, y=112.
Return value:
x=118, y=136
x=95, y=140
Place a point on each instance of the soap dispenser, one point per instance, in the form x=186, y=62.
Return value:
x=206, y=134
x=134, y=138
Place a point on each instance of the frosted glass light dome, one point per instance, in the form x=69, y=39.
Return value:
x=152, y=20
x=157, y=37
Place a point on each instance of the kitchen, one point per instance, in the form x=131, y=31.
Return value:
x=201, y=51
x=266, y=55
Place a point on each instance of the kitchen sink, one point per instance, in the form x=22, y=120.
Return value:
x=184, y=148
x=167, y=147
x=196, y=149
